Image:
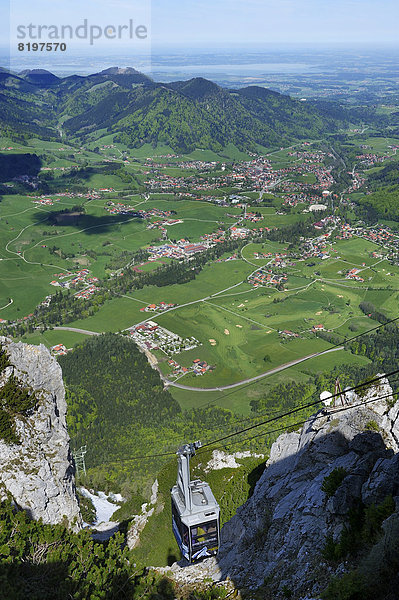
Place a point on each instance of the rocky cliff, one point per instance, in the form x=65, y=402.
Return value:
x=327, y=503
x=35, y=460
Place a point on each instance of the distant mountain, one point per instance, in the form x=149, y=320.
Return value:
x=39, y=77
x=196, y=89
x=124, y=77
x=119, y=71
x=183, y=114
x=198, y=113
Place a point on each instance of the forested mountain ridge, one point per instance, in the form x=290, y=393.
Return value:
x=184, y=114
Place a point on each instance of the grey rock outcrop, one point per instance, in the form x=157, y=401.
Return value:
x=275, y=540
x=38, y=473
x=278, y=535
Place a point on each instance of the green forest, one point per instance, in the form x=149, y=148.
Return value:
x=50, y=562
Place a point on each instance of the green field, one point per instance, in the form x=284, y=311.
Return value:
x=238, y=326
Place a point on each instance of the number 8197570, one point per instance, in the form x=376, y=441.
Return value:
x=42, y=46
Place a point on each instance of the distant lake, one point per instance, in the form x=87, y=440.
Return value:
x=169, y=66
x=218, y=72
x=243, y=68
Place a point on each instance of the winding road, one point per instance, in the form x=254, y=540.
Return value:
x=250, y=379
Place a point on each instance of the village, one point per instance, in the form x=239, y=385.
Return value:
x=258, y=174
x=197, y=368
x=151, y=336
x=182, y=249
x=70, y=280
x=266, y=277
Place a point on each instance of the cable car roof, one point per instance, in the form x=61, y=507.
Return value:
x=204, y=504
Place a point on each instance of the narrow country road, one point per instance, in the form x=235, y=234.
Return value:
x=85, y=331
x=250, y=379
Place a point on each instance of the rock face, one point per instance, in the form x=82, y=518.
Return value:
x=38, y=473
x=274, y=542
x=279, y=533
x=139, y=521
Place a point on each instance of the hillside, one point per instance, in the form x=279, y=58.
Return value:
x=185, y=115
x=198, y=113
x=323, y=519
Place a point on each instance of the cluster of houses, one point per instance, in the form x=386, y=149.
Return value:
x=157, y=307
x=45, y=201
x=357, y=182
x=58, y=350
x=330, y=220
x=90, y=195
x=354, y=275
x=308, y=156
x=296, y=198
x=266, y=277
x=286, y=333
x=227, y=259
x=182, y=249
x=345, y=231
x=86, y=293
x=253, y=217
x=217, y=237
x=73, y=279
x=46, y=302
x=162, y=224
x=169, y=183
x=261, y=255
x=239, y=232
x=379, y=234
x=198, y=367
x=150, y=336
x=118, y=208
x=261, y=174
x=197, y=165
x=69, y=168
x=370, y=159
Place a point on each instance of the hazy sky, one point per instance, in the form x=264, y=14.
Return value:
x=231, y=22
x=263, y=21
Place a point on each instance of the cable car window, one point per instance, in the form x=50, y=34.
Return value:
x=204, y=534
x=180, y=531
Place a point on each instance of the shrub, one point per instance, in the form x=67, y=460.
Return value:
x=372, y=426
x=332, y=482
x=7, y=428
x=87, y=509
x=350, y=586
x=374, y=516
x=4, y=360
x=15, y=398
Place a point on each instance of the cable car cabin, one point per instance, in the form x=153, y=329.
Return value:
x=195, y=512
